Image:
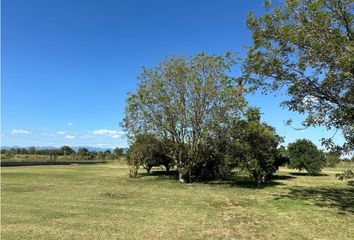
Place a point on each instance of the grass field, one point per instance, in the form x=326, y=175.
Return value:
x=101, y=202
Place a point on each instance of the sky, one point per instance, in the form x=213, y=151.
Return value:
x=67, y=66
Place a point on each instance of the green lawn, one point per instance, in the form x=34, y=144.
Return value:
x=101, y=202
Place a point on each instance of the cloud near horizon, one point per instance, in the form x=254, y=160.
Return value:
x=107, y=132
x=19, y=131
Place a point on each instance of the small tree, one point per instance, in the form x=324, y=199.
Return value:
x=255, y=147
x=118, y=152
x=66, y=150
x=83, y=152
x=148, y=151
x=134, y=159
x=304, y=154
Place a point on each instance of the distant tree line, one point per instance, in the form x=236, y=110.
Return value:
x=64, y=152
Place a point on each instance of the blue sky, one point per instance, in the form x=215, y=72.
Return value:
x=67, y=65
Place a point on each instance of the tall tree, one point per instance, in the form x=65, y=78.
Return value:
x=185, y=100
x=308, y=47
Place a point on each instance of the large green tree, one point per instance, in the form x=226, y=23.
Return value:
x=307, y=46
x=185, y=100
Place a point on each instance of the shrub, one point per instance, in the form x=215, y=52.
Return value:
x=303, y=154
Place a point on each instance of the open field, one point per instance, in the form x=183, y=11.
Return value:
x=100, y=202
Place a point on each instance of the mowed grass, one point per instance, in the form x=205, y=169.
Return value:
x=101, y=202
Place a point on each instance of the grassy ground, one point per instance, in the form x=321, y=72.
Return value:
x=100, y=202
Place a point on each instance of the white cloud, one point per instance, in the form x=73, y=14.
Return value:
x=45, y=134
x=60, y=132
x=86, y=136
x=106, y=132
x=19, y=132
x=70, y=137
x=70, y=124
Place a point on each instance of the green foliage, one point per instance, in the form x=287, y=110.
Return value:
x=254, y=147
x=346, y=174
x=66, y=150
x=148, y=151
x=303, y=154
x=332, y=159
x=185, y=100
x=83, y=151
x=308, y=47
x=118, y=152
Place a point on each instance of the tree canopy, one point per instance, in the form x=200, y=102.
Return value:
x=307, y=46
x=303, y=154
x=185, y=100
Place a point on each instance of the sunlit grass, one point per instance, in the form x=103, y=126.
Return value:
x=101, y=202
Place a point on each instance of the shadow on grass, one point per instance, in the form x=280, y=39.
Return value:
x=236, y=180
x=247, y=182
x=282, y=177
x=306, y=174
x=243, y=182
x=333, y=197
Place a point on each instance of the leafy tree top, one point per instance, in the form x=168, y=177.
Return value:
x=307, y=46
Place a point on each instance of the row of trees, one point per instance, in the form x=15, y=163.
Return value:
x=65, y=151
x=247, y=144
x=255, y=148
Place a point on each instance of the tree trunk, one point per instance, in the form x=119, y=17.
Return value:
x=180, y=176
x=167, y=168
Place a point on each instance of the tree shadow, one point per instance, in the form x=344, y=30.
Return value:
x=248, y=182
x=334, y=197
x=235, y=180
x=282, y=177
x=307, y=175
